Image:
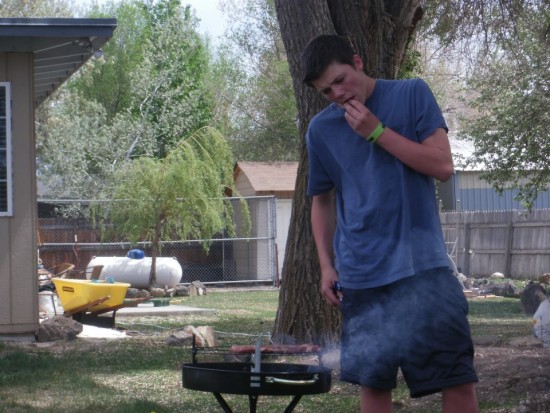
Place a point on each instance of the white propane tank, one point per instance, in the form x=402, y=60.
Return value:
x=136, y=271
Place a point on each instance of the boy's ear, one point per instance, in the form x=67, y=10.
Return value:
x=358, y=62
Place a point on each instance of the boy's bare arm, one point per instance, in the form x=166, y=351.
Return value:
x=432, y=157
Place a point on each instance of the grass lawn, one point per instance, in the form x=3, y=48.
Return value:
x=143, y=374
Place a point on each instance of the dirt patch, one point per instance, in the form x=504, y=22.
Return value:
x=520, y=375
x=513, y=378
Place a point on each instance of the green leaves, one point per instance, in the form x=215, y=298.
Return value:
x=511, y=130
x=257, y=86
x=146, y=93
x=181, y=195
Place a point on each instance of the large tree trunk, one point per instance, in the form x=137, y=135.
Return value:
x=380, y=31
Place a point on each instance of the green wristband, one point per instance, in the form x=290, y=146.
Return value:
x=376, y=132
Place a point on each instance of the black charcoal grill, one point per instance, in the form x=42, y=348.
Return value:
x=256, y=379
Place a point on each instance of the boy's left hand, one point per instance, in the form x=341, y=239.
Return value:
x=361, y=120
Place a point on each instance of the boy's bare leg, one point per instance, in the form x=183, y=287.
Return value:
x=460, y=399
x=375, y=400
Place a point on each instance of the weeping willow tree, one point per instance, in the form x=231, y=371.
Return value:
x=180, y=196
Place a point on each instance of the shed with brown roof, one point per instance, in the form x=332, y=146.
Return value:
x=266, y=178
x=276, y=179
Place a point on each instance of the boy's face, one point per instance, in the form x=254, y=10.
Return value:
x=341, y=82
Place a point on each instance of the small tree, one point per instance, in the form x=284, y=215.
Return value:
x=180, y=196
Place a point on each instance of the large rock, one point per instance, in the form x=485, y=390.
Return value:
x=182, y=291
x=200, y=341
x=137, y=293
x=531, y=296
x=157, y=292
x=205, y=336
x=58, y=328
x=504, y=289
x=179, y=338
x=143, y=294
x=208, y=335
x=132, y=292
x=197, y=288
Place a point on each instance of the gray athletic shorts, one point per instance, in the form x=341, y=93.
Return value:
x=417, y=324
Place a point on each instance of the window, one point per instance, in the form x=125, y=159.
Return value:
x=5, y=150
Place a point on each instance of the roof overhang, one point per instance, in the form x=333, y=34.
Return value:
x=60, y=46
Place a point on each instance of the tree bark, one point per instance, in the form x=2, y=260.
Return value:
x=380, y=31
x=155, y=246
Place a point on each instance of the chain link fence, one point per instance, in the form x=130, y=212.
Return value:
x=65, y=235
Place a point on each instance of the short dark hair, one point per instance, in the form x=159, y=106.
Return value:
x=321, y=52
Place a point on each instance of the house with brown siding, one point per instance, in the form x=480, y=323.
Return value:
x=36, y=57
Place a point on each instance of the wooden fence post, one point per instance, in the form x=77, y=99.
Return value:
x=508, y=251
x=467, y=248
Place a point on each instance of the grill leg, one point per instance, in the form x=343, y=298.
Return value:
x=223, y=403
x=252, y=401
x=293, y=404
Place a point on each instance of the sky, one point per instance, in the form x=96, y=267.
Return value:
x=212, y=20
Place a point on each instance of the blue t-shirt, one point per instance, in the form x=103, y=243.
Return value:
x=388, y=224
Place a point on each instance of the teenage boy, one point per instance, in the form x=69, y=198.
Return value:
x=373, y=154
